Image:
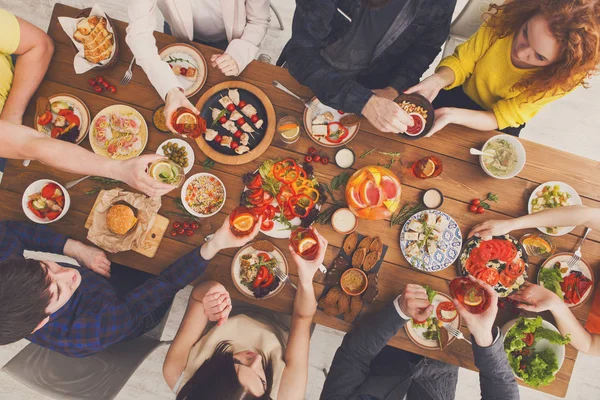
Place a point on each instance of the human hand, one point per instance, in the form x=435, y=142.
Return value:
x=134, y=173
x=217, y=303
x=387, y=93
x=480, y=325
x=14, y=118
x=443, y=117
x=226, y=64
x=175, y=99
x=90, y=257
x=386, y=115
x=428, y=87
x=494, y=227
x=536, y=298
x=223, y=238
x=308, y=268
x=415, y=303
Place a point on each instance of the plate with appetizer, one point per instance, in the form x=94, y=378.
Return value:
x=240, y=122
x=63, y=117
x=420, y=110
x=179, y=151
x=328, y=126
x=573, y=284
x=95, y=38
x=505, y=157
x=119, y=132
x=431, y=334
x=45, y=201
x=253, y=270
x=535, y=350
x=553, y=194
x=188, y=65
x=353, y=278
x=430, y=240
x=285, y=194
x=203, y=195
x=500, y=261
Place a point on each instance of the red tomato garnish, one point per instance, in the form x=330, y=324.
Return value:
x=223, y=119
x=254, y=118
x=64, y=112
x=91, y=82
x=176, y=225
x=218, y=138
x=241, y=121
x=55, y=132
x=186, y=225
x=98, y=89
x=308, y=159
x=194, y=226
x=60, y=200
x=317, y=158
x=312, y=150
x=112, y=89
x=489, y=276
x=183, y=70
x=45, y=118
x=173, y=232
x=34, y=211
x=446, y=306
x=506, y=280
x=480, y=210
x=473, y=208
x=50, y=191
x=238, y=133
x=231, y=107
x=325, y=160
x=267, y=225
x=189, y=232
x=475, y=202
x=180, y=231
x=242, y=104
x=341, y=112
x=265, y=256
x=515, y=268
x=52, y=215
x=529, y=339
x=234, y=145
x=99, y=79
x=73, y=119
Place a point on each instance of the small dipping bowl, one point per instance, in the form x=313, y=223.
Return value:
x=344, y=221
x=433, y=198
x=345, y=158
x=354, y=282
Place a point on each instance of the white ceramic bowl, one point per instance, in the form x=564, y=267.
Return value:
x=181, y=143
x=36, y=187
x=184, y=190
x=521, y=158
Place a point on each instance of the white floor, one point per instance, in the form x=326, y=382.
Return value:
x=570, y=124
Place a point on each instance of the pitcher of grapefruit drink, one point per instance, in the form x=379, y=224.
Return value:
x=373, y=192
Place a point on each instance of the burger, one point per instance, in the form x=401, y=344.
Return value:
x=121, y=218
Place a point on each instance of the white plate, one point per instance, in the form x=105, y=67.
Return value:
x=235, y=270
x=448, y=249
x=575, y=200
x=79, y=109
x=184, y=190
x=580, y=265
x=541, y=345
x=190, y=152
x=36, y=187
x=193, y=58
x=416, y=334
x=309, y=116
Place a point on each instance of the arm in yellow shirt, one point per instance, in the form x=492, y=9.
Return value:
x=35, y=50
x=520, y=109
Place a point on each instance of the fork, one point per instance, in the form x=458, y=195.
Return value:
x=69, y=185
x=577, y=255
x=456, y=333
x=128, y=74
x=307, y=103
x=284, y=277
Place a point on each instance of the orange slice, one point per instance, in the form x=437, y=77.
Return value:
x=306, y=244
x=186, y=118
x=429, y=168
x=243, y=223
x=539, y=243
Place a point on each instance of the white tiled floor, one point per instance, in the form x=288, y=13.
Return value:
x=570, y=124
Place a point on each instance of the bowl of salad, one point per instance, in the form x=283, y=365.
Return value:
x=506, y=157
x=203, y=195
x=551, y=195
x=535, y=349
x=45, y=201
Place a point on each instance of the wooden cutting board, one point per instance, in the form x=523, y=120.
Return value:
x=153, y=238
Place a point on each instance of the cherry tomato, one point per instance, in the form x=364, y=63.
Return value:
x=55, y=132
x=105, y=84
x=174, y=232
x=112, y=89
x=308, y=158
x=194, y=226
x=238, y=133
x=185, y=225
x=242, y=104
x=317, y=158
x=176, y=225
x=180, y=231
x=480, y=210
x=183, y=70
x=241, y=121
x=325, y=160
x=234, y=145
x=91, y=82
x=231, y=107
x=189, y=232
x=223, y=119
x=218, y=138
x=473, y=208
x=341, y=112
x=312, y=151
x=99, y=79
x=254, y=118
x=475, y=202
x=98, y=89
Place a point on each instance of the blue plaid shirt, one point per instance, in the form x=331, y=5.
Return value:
x=95, y=317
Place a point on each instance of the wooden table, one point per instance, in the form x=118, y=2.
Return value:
x=462, y=179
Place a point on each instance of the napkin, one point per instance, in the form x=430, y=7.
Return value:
x=69, y=25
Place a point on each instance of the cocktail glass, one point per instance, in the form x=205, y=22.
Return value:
x=242, y=221
x=427, y=167
x=305, y=243
x=472, y=296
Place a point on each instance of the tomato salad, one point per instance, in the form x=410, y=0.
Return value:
x=257, y=273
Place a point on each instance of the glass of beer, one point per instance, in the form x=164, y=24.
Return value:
x=242, y=221
x=305, y=243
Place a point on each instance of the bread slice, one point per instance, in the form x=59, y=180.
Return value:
x=376, y=245
x=359, y=257
x=370, y=260
x=98, y=29
x=104, y=56
x=372, y=290
x=86, y=25
x=365, y=243
x=350, y=243
x=101, y=46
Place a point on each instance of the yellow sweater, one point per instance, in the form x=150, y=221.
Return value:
x=488, y=75
x=10, y=35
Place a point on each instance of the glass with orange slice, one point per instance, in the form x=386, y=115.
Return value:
x=289, y=129
x=427, y=167
x=373, y=192
x=305, y=243
x=242, y=221
x=537, y=244
x=188, y=124
x=472, y=296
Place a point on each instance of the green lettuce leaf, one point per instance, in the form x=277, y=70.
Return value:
x=551, y=278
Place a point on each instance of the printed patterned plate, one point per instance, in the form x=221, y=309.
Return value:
x=448, y=246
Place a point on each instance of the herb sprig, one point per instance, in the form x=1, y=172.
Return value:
x=104, y=184
x=340, y=180
x=490, y=197
x=366, y=153
x=208, y=163
x=407, y=211
x=173, y=59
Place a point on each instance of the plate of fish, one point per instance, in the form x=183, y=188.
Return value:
x=240, y=122
x=119, y=132
x=328, y=126
x=188, y=65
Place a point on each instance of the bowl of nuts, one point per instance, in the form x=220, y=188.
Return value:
x=420, y=110
x=179, y=151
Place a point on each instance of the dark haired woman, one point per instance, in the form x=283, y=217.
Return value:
x=243, y=356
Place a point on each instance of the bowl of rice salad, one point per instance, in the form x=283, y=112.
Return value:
x=203, y=195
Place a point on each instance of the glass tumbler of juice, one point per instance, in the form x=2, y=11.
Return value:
x=472, y=296
x=305, y=243
x=242, y=221
x=427, y=167
x=167, y=171
x=188, y=124
x=289, y=129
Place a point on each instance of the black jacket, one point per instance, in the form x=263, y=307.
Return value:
x=317, y=24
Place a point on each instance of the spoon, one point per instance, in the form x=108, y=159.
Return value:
x=477, y=152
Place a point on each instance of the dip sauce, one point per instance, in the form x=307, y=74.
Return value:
x=343, y=221
x=344, y=158
x=353, y=281
x=433, y=198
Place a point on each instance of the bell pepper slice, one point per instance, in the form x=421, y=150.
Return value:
x=285, y=192
x=336, y=136
x=309, y=191
x=268, y=281
x=262, y=274
x=256, y=182
x=288, y=175
x=300, y=205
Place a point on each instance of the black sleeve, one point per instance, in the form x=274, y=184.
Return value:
x=310, y=27
x=351, y=364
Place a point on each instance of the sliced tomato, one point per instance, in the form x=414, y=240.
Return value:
x=60, y=200
x=529, y=338
x=73, y=119
x=50, y=191
x=506, y=280
x=265, y=256
x=267, y=197
x=65, y=111
x=447, y=306
x=489, y=276
x=255, y=194
x=511, y=252
x=56, y=132
x=52, y=215
x=484, y=253
x=37, y=213
x=267, y=225
x=112, y=148
x=472, y=265
x=260, y=210
x=256, y=182
x=45, y=118
x=515, y=268
x=287, y=213
x=268, y=281
x=271, y=210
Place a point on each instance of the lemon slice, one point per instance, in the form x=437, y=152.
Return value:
x=290, y=133
x=429, y=168
x=391, y=205
x=473, y=298
x=305, y=244
x=186, y=119
x=375, y=174
x=243, y=223
x=163, y=172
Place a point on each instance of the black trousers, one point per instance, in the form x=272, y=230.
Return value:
x=458, y=98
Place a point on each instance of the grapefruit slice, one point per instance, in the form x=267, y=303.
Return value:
x=389, y=187
x=370, y=194
x=354, y=200
x=375, y=175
